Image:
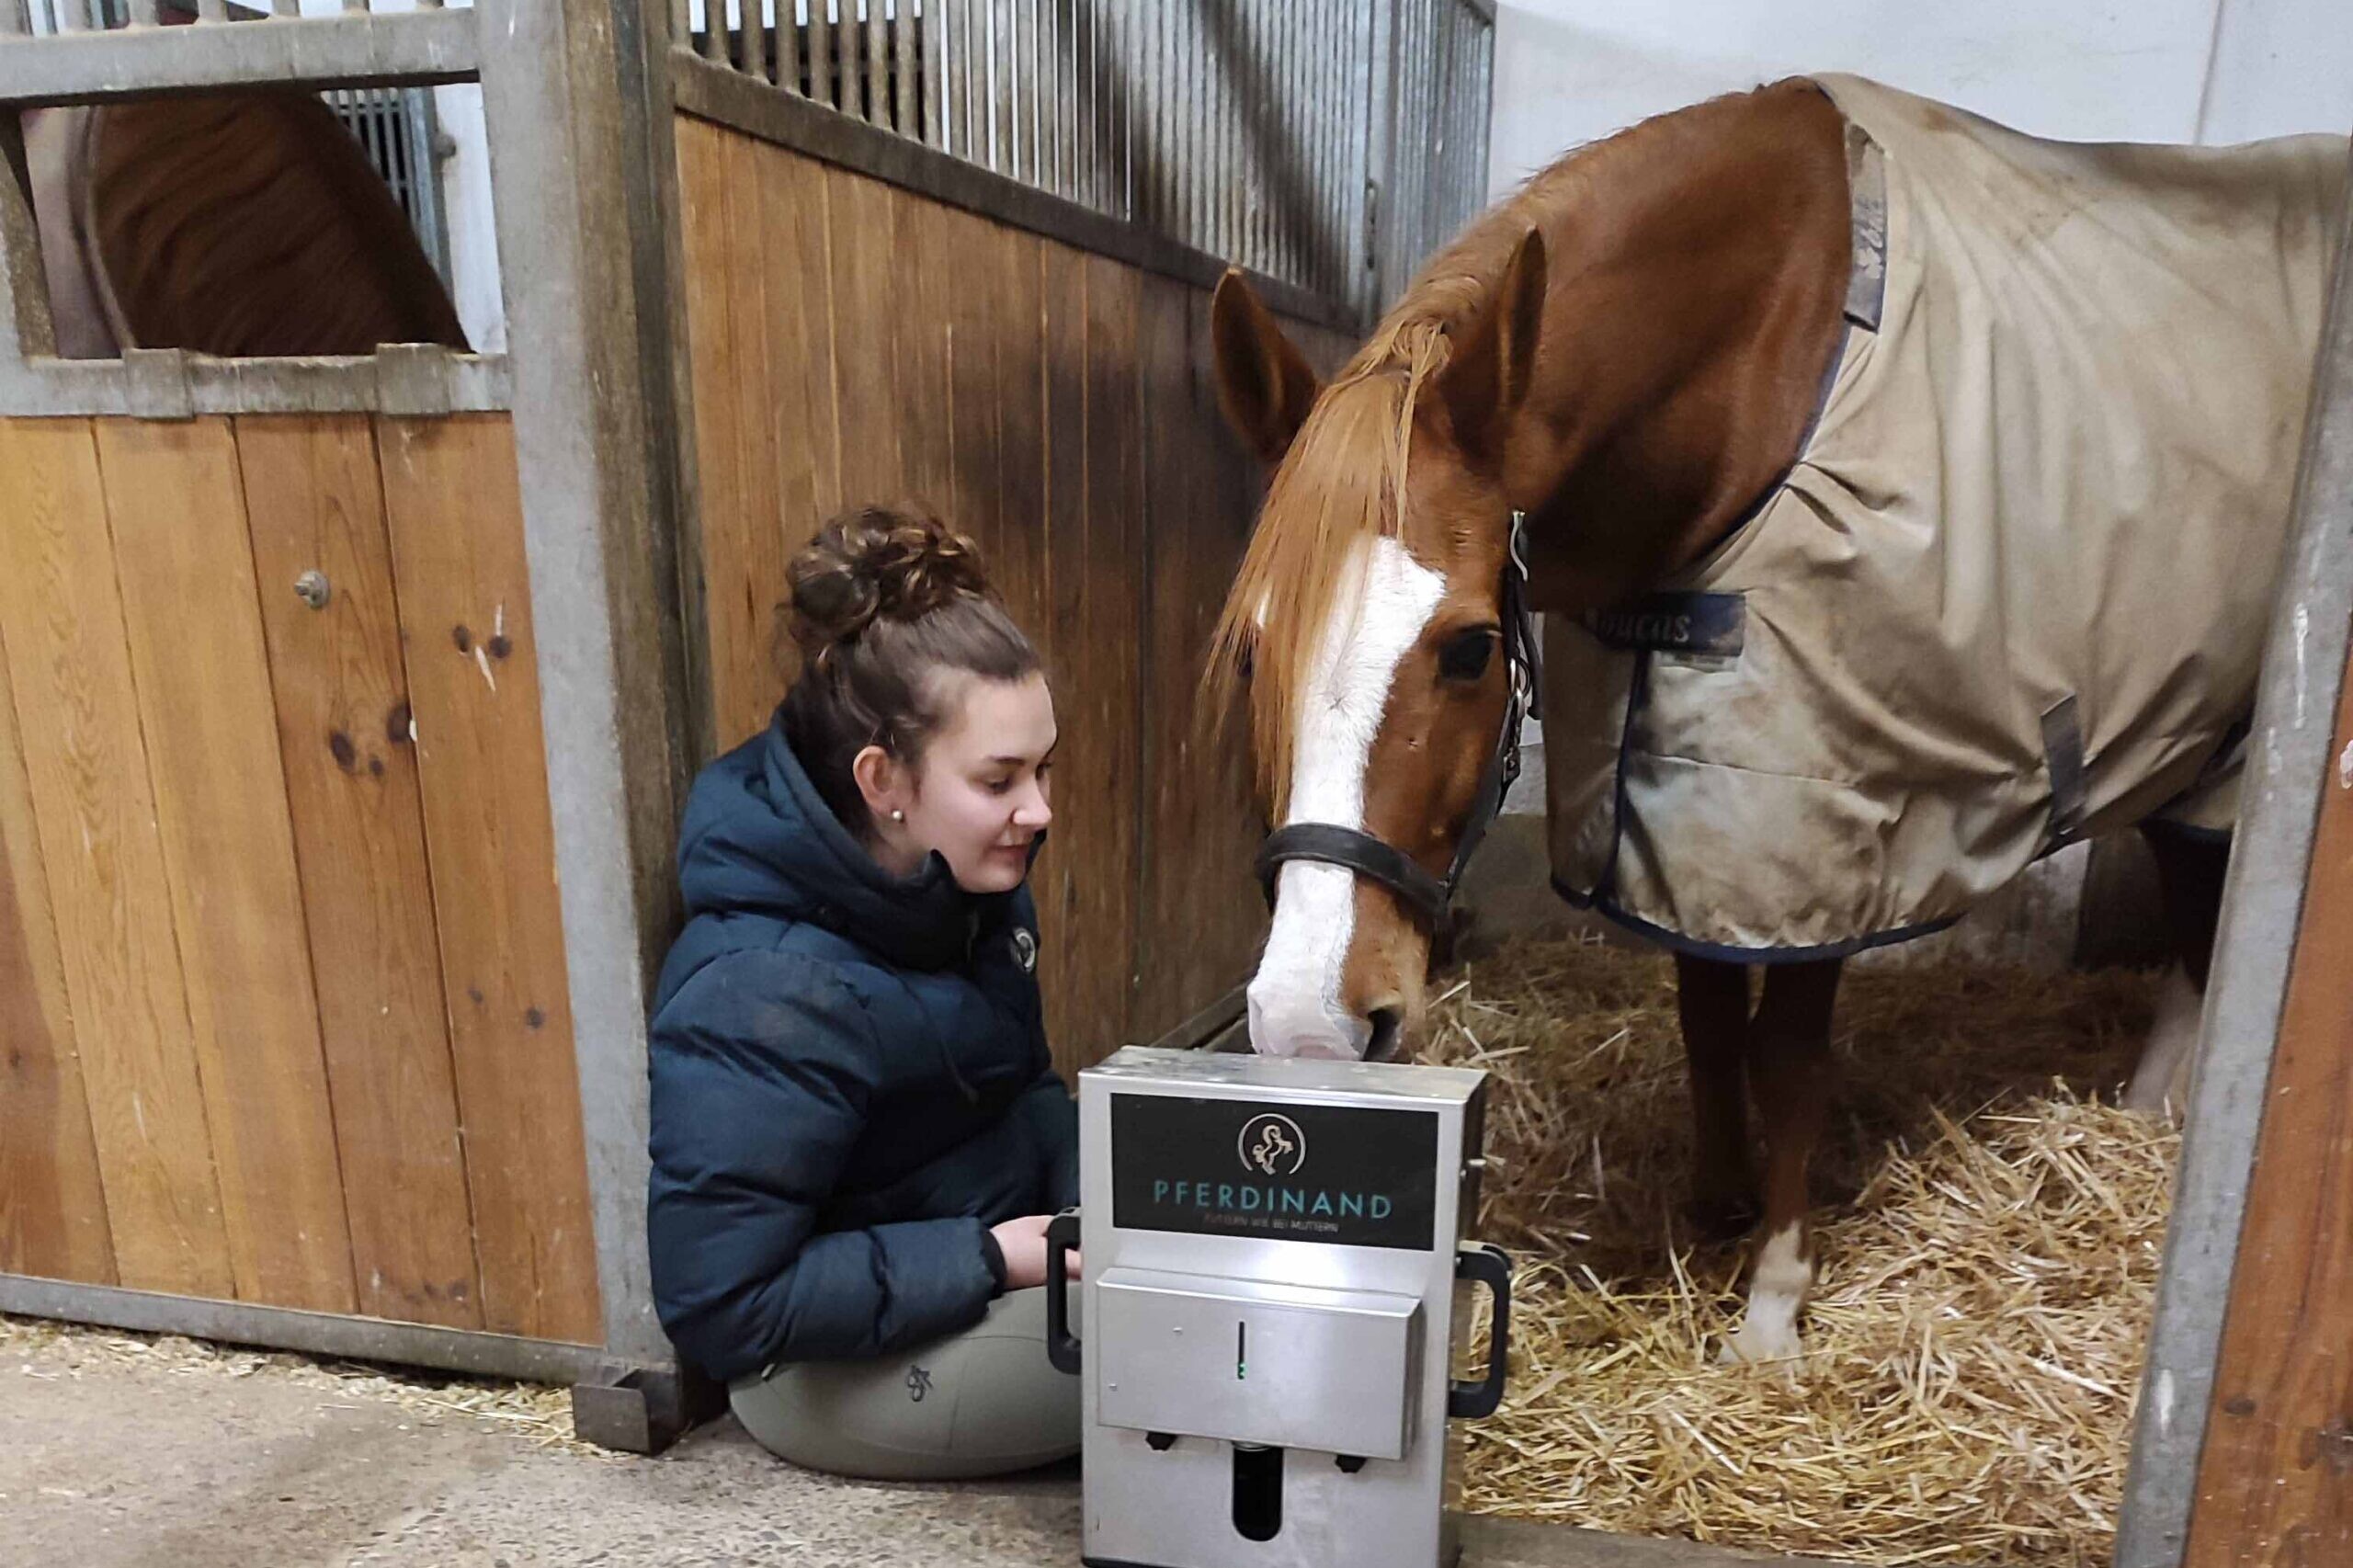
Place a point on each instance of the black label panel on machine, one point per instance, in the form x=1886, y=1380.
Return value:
x=1279, y=1171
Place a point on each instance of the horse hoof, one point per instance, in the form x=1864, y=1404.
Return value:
x=1757, y=1344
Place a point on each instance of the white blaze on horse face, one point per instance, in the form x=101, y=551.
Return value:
x=1295, y=1006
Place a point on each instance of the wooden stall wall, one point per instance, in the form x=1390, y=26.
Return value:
x=851, y=341
x=282, y=993
x=2275, y=1479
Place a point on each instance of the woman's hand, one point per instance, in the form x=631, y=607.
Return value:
x=1023, y=1242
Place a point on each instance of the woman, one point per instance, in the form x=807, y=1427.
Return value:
x=857, y=1136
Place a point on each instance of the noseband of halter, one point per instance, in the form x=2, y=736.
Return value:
x=1425, y=893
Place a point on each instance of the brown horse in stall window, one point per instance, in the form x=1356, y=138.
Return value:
x=1906, y=497
x=236, y=224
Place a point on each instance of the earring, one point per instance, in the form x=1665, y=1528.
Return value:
x=898, y=815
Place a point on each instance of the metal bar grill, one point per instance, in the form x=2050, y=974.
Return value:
x=954, y=26
x=396, y=128
x=907, y=115
x=1328, y=144
x=755, y=39
x=786, y=50
x=846, y=93
x=820, y=34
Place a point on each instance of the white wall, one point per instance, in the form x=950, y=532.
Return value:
x=1570, y=71
x=2279, y=66
x=465, y=205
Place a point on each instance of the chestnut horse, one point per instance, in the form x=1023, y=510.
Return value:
x=234, y=223
x=1633, y=354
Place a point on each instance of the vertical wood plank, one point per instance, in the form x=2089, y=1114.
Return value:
x=1114, y=618
x=975, y=411
x=1198, y=919
x=997, y=405
x=52, y=1201
x=917, y=327
x=796, y=279
x=2274, y=1479
x=1094, y=507
x=1017, y=283
x=183, y=554
x=744, y=548
x=78, y=716
x=464, y=591
x=1081, y=800
x=706, y=191
x=866, y=296
x=314, y=503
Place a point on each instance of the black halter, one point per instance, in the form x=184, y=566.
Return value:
x=1355, y=850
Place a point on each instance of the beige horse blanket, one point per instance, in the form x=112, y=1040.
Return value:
x=2014, y=590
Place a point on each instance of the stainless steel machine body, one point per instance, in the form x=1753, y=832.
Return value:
x=1273, y=1294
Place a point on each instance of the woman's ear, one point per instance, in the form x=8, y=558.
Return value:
x=881, y=781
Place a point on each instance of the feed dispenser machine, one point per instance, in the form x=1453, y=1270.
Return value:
x=1275, y=1291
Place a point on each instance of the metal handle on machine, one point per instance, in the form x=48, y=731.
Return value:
x=1061, y=1240
x=1488, y=1266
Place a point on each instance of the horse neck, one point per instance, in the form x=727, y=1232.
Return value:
x=1698, y=272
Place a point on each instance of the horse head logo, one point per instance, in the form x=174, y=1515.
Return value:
x=1272, y=1145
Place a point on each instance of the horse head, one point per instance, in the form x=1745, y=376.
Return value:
x=1376, y=633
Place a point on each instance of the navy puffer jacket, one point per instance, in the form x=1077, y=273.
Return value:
x=850, y=1085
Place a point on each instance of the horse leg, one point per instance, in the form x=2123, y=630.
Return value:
x=1712, y=997
x=1788, y=1073
x=2189, y=886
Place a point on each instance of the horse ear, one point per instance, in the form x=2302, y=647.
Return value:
x=1264, y=384
x=1487, y=373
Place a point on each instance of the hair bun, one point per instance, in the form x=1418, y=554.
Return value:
x=897, y=564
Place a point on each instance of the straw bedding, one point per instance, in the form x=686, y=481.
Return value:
x=1990, y=1234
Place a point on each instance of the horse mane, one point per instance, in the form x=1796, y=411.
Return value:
x=1342, y=482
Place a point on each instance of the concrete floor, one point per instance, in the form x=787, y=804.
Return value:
x=136, y=1465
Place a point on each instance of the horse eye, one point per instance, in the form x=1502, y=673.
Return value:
x=1465, y=657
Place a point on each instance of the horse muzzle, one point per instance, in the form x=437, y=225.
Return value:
x=1283, y=1024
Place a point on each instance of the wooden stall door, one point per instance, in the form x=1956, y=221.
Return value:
x=281, y=979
